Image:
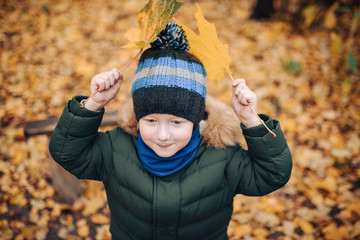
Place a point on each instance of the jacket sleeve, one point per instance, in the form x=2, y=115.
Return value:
x=265, y=166
x=76, y=143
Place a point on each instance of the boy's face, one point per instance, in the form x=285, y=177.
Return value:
x=165, y=134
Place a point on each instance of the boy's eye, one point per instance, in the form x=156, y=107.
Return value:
x=176, y=122
x=149, y=120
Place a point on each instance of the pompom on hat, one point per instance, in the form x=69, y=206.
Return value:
x=169, y=80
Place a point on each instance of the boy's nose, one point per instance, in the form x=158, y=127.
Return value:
x=163, y=133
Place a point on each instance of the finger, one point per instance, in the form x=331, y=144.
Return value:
x=241, y=86
x=117, y=84
x=239, y=81
x=93, y=83
x=235, y=92
x=243, y=100
x=111, y=78
x=250, y=98
x=116, y=73
x=240, y=89
x=97, y=80
x=121, y=76
x=107, y=81
x=101, y=83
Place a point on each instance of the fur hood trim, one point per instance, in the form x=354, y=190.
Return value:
x=220, y=129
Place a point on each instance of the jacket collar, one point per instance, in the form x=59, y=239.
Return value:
x=220, y=129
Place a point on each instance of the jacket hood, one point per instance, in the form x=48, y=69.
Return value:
x=221, y=128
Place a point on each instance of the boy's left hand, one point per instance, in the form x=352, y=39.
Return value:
x=242, y=97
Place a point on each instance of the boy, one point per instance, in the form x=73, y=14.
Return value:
x=166, y=180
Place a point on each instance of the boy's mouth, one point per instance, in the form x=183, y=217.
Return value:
x=163, y=145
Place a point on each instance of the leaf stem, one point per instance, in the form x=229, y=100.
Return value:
x=121, y=69
x=252, y=109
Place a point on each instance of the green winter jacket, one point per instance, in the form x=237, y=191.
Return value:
x=194, y=203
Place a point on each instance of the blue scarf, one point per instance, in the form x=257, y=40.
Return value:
x=160, y=166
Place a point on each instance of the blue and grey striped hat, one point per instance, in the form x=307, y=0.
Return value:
x=169, y=79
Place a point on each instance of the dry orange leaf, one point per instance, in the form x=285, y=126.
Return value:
x=330, y=19
x=305, y=226
x=208, y=48
x=93, y=205
x=99, y=218
x=151, y=22
x=242, y=229
x=19, y=199
x=83, y=231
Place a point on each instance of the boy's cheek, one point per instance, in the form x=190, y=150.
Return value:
x=146, y=131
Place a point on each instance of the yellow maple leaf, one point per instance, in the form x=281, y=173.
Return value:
x=207, y=47
x=151, y=22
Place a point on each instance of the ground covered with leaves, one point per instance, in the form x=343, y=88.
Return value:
x=305, y=76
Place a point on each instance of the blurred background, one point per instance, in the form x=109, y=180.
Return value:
x=300, y=57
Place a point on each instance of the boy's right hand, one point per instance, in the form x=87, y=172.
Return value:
x=107, y=84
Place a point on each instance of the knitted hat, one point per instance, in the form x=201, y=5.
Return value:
x=170, y=80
